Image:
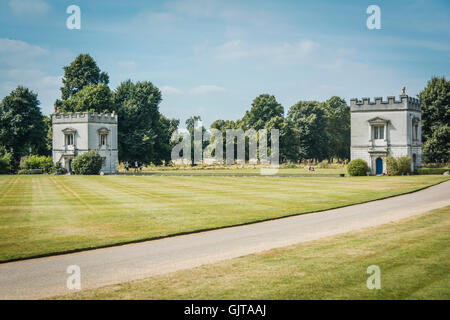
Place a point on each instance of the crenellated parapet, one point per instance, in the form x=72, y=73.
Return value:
x=83, y=117
x=404, y=103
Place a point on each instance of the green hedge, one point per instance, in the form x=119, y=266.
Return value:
x=37, y=162
x=398, y=166
x=87, y=163
x=31, y=171
x=357, y=167
x=432, y=170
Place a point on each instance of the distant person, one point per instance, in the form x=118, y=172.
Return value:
x=127, y=166
x=136, y=165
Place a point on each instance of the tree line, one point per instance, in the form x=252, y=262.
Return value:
x=310, y=130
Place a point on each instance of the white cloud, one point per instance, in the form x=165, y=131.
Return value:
x=21, y=64
x=18, y=53
x=287, y=53
x=233, y=50
x=170, y=91
x=216, y=9
x=46, y=86
x=29, y=7
x=8, y=46
x=127, y=64
x=206, y=89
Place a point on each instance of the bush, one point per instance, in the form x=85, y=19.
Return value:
x=404, y=164
x=432, y=170
x=37, y=162
x=87, y=163
x=392, y=166
x=357, y=167
x=58, y=169
x=5, y=163
x=31, y=171
x=399, y=166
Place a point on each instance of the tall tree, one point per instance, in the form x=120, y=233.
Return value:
x=141, y=129
x=264, y=107
x=337, y=114
x=437, y=146
x=222, y=126
x=164, y=145
x=80, y=73
x=308, y=119
x=288, y=142
x=435, y=98
x=22, y=127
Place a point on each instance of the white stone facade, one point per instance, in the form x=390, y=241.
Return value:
x=383, y=128
x=79, y=132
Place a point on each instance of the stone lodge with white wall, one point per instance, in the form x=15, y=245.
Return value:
x=79, y=132
x=381, y=128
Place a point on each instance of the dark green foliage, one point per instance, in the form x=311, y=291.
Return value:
x=30, y=171
x=81, y=72
x=436, y=148
x=308, y=119
x=357, y=167
x=222, y=126
x=337, y=114
x=435, y=99
x=264, y=108
x=5, y=163
x=144, y=135
x=22, y=126
x=87, y=163
x=288, y=137
x=432, y=170
x=93, y=98
x=48, y=138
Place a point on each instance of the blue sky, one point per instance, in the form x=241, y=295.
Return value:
x=212, y=58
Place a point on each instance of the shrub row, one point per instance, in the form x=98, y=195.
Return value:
x=398, y=166
x=432, y=170
x=43, y=163
x=30, y=171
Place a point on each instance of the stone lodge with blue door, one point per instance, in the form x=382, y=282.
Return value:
x=383, y=128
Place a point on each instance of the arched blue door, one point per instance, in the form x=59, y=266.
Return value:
x=70, y=165
x=379, y=166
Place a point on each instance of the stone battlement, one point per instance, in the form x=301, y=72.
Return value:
x=405, y=103
x=74, y=117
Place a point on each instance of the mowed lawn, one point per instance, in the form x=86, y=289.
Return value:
x=239, y=171
x=43, y=214
x=413, y=257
